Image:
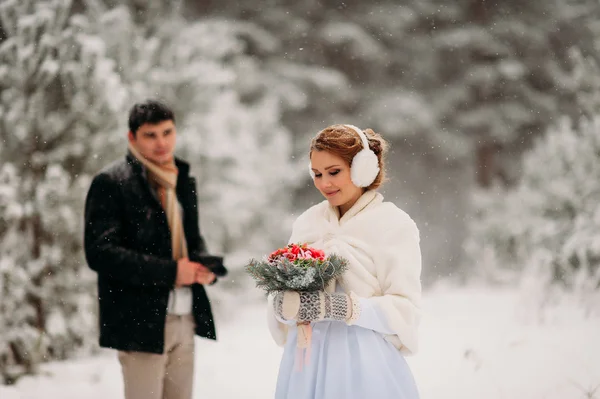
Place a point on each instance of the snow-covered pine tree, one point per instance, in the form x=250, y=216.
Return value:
x=59, y=98
x=547, y=226
x=502, y=70
x=233, y=136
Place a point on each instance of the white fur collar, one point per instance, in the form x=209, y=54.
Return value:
x=368, y=198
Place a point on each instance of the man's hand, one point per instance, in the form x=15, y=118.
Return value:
x=204, y=275
x=186, y=272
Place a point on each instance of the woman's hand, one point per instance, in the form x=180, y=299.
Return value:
x=307, y=307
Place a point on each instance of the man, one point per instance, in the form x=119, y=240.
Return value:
x=141, y=230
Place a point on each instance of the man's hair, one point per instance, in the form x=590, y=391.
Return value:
x=150, y=111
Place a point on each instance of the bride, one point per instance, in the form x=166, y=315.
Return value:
x=364, y=325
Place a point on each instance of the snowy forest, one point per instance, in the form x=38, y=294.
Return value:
x=492, y=110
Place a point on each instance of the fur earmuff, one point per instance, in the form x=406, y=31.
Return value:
x=365, y=165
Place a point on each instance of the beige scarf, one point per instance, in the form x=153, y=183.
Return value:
x=164, y=179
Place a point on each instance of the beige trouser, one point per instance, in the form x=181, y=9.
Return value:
x=166, y=376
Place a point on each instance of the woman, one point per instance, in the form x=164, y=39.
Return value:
x=362, y=327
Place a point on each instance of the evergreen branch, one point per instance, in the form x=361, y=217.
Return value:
x=307, y=275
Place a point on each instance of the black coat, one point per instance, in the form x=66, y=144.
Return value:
x=127, y=242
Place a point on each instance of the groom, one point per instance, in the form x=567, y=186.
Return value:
x=142, y=238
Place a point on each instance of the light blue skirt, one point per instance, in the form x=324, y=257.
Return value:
x=345, y=362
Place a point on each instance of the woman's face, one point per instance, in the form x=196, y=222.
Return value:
x=332, y=179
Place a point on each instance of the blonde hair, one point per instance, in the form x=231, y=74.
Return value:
x=344, y=142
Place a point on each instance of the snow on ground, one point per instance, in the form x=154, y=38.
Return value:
x=475, y=343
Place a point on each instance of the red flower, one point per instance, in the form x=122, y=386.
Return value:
x=274, y=254
x=317, y=253
x=296, y=252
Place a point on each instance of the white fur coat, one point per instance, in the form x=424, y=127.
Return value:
x=381, y=243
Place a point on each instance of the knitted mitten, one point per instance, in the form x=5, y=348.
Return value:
x=317, y=306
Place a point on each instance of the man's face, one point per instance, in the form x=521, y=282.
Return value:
x=156, y=142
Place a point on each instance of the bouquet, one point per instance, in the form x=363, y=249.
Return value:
x=297, y=267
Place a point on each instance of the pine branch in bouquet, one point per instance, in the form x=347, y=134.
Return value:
x=297, y=268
